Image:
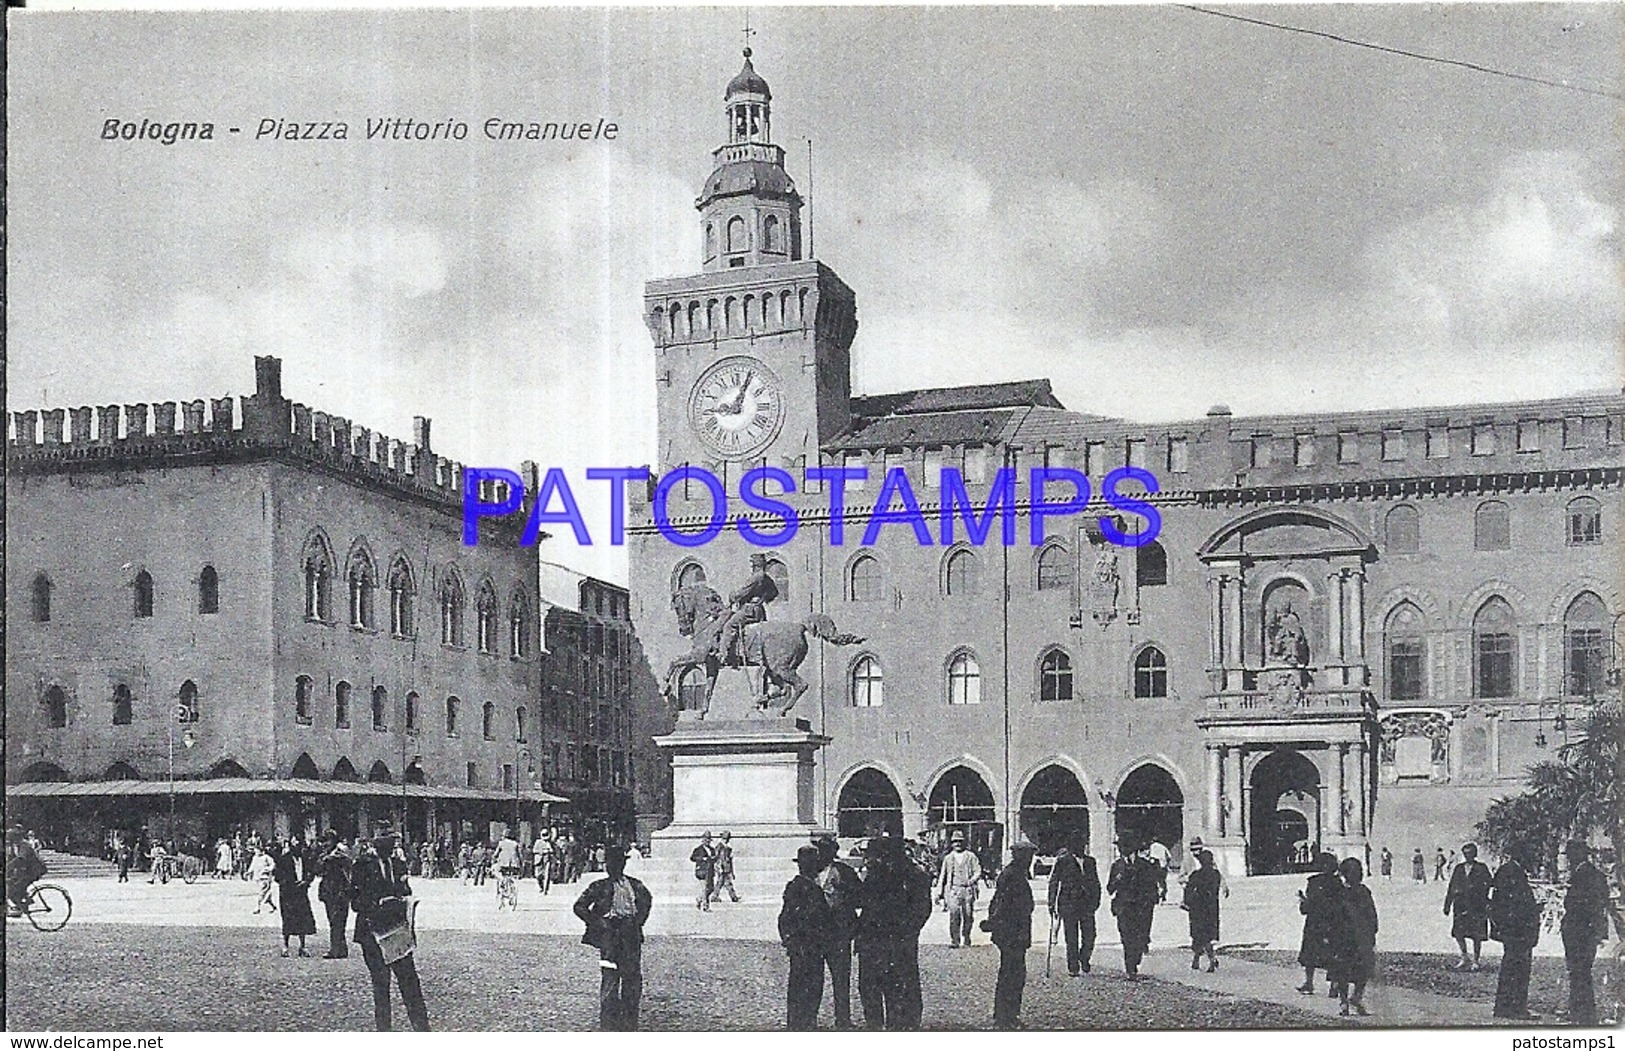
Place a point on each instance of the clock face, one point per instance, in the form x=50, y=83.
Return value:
x=737, y=407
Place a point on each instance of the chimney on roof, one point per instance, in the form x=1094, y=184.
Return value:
x=1219, y=410
x=420, y=432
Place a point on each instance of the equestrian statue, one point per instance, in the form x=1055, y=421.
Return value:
x=737, y=634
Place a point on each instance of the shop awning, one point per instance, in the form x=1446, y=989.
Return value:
x=236, y=786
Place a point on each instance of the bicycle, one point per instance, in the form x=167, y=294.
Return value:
x=507, y=891
x=48, y=908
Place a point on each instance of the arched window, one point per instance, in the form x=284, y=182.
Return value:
x=964, y=574
x=379, y=774
x=1492, y=529
x=780, y=575
x=1495, y=649
x=305, y=769
x=1585, y=521
x=363, y=581
x=1151, y=565
x=304, y=700
x=868, y=582
x=188, y=711
x=485, y=619
x=691, y=575
x=1055, y=676
x=380, y=709
x=55, y=703
x=518, y=626
x=452, y=705
x=42, y=598
x=412, y=713
x=318, y=567
x=341, y=706
x=1404, y=529
x=121, y=772
x=710, y=240
x=772, y=240
x=143, y=594
x=964, y=680
x=737, y=238
x=868, y=685
x=1054, y=569
x=1150, y=673
x=208, y=591
x=1585, y=646
x=344, y=770
x=401, y=592
x=488, y=721
x=1406, y=654
x=520, y=730
x=123, y=706
x=451, y=611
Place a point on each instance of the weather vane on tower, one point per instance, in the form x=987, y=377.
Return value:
x=749, y=32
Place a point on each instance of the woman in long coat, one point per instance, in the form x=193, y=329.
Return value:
x=1321, y=904
x=1353, y=940
x=293, y=877
x=1515, y=923
x=1202, y=902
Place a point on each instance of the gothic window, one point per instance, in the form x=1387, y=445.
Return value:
x=737, y=238
x=1150, y=673
x=518, y=626
x=964, y=574
x=401, y=592
x=362, y=580
x=188, y=711
x=208, y=591
x=780, y=575
x=452, y=706
x=485, y=619
x=1403, y=638
x=1584, y=521
x=143, y=594
x=318, y=568
x=380, y=709
x=1054, y=569
x=1494, y=650
x=42, y=598
x=1492, y=528
x=451, y=611
x=304, y=692
x=710, y=250
x=1404, y=529
x=868, y=684
x=691, y=575
x=341, y=706
x=488, y=721
x=964, y=680
x=123, y=705
x=411, y=713
x=868, y=582
x=56, y=707
x=1151, y=565
x=1585, y=646
x=1055, y=676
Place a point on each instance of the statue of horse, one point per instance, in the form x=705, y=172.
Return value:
x=773, y=650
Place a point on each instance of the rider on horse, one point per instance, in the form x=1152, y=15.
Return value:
x=749, y=605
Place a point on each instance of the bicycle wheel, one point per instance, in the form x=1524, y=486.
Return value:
x=49, y=907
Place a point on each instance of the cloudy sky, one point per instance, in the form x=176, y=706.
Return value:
x=1155, y=208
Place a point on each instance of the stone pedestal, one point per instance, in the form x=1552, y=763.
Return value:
x=751, y=777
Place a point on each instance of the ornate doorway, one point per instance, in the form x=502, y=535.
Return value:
x=1283, y=820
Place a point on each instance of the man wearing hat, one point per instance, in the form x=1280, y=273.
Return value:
x=615, y=909
x=805, y=925
x=1010, y=923
x=335, y=868
x=749, y=605
x=379, y=893
x=843, y=890
x=1074, y=897
x=1134, y=887
x=1584, y=927
x=956, y=888
x=896, y=905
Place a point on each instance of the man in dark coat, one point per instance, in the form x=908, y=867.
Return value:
x=1469, y=896
x=843, y=891
x=804, y=928
x=704, y=858
x=378, y=893
x=1515, y=923
x=335, y=867
x=1135, y=887
x=1584, y=927
x=1010, y=924
x=896, y=905
x=1074, y=897
x=615, y=909
x=1321, y=902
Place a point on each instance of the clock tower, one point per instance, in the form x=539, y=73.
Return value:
x=752, y=353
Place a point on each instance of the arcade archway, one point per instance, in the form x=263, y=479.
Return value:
x=1283, y=819
x=1151, y=804
x=960, y=797
x=869, y=805
x=1055, y=810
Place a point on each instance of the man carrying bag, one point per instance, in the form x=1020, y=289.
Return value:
x=384, y=909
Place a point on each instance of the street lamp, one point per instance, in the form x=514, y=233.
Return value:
x=182, y=714
x=523, y=762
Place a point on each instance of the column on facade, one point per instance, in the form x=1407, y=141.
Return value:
x=1339, y=755
x=1234, y=797
x=1232, y=640
x=1215, y=623
x=1215, y=826
x=1361, y=765
x=1357, y=614
x=1334, y=611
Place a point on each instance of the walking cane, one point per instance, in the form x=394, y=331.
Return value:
x=1054, y=923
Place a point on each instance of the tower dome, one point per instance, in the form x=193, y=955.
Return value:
x=748, y=82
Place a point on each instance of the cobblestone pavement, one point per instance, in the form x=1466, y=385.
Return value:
x=126, y=977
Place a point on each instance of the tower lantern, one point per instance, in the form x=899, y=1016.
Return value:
x=750, y=212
